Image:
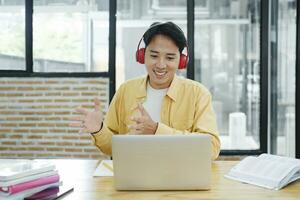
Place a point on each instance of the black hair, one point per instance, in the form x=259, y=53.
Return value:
x=168, y=29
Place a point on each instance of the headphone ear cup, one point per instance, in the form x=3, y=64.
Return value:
x=140, y=55
x=183, y=61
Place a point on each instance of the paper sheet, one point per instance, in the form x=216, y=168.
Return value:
x=104, y=169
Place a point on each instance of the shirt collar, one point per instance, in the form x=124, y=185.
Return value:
x=143, y=88
x=174, y=88
x=172, y=91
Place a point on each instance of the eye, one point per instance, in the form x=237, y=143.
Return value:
x=153, y=56
x=170, y=58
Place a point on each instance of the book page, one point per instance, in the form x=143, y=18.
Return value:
x=291, y=161
x=265, y=167
x=278, y=166
x=265, y=170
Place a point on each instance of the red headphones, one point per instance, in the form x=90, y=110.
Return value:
x=140, y=54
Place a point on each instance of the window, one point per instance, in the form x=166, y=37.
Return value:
x=227, y=55
x=133, y=19
x=12, y=37
x=70, y=36
x=283, y=77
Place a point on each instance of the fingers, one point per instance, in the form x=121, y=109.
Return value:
x=84, y=130
x=136, y=132
x=137, y=119
x=80, y=120
x=136, y=128
x=77, y=118
x=97, y=104
x=75, y=124
x=83, y=121
x=82, y=127
x=142, y=109
x=82, y=111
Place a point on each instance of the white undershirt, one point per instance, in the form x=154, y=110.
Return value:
x=154, y=101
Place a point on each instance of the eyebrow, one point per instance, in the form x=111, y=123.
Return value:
x=169, y=54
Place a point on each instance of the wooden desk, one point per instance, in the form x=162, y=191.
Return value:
x=86, y=187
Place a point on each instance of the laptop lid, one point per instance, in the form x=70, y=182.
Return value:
x=156, y=162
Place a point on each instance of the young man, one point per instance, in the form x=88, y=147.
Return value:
x=159, y=103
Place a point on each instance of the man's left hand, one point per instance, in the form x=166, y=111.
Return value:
x=143, y=124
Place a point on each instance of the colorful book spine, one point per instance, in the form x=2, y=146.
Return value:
x=30, y=184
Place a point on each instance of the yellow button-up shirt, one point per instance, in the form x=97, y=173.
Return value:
x=186, y=109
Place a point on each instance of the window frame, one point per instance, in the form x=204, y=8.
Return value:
x=297, y=96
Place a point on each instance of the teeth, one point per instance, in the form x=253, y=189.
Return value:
x=160, y=73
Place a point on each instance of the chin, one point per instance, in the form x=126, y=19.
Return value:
x=160, y=80
x=161, y=83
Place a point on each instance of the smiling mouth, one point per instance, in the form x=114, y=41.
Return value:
x=159, y=74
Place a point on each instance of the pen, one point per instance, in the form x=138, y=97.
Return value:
x=65, y=193
x=110, y=168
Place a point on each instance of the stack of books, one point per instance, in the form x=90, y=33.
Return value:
x=23, y=178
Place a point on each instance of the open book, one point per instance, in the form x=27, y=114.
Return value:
x=269, y=171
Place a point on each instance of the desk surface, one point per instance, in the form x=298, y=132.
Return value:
x=86, y=187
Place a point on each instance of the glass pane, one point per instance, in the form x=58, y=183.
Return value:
x=133, y=19
x=70, y=36
x=286, y=79
x=12, y=35
x=227, y=62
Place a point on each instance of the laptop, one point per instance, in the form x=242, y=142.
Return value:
x=161, y=162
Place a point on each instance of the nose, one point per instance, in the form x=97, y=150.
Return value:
x=161, y=63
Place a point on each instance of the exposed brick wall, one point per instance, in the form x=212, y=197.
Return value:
x=34, y=116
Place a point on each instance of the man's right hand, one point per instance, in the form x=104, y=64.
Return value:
x=88, y=121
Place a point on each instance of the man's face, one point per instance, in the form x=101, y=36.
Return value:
x=161, y=60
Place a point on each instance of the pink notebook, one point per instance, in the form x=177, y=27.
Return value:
x=30, y=184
